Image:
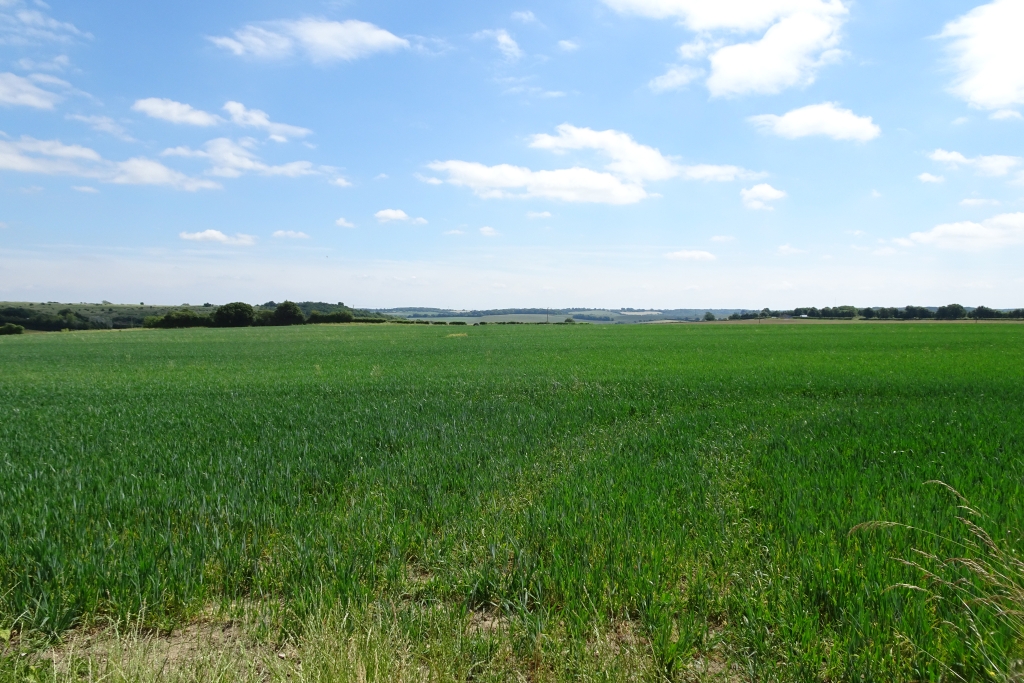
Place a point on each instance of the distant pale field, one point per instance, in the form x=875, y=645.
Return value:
x=589, y=502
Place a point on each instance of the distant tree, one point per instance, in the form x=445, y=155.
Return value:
x=288, y=313
x=868, y=313
x=11, y=328
x=986, y=313
x=570, y=320
x=236, y=314
x=316, y=317
x=709, y=316
x=951, y=312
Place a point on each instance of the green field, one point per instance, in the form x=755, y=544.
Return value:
x=512, y=502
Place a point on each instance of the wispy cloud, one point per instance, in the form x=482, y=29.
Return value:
x=320, y=40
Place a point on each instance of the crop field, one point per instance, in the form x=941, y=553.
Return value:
x=577, y=502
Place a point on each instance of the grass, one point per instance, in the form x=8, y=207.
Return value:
x=549, y=503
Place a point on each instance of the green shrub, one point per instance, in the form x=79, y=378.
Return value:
x=288, y=313
x=237, y=314
x=11, y=328
x=178, y=319
x=317, y=318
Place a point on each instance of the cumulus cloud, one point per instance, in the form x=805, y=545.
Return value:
x=341, y=182
x=488, y=231
x=988, y=54
x=389, y=215
x=16, y=91
x=342, y=223
x=690, y=255
x=52, y=157
x=1000, y=231
x=979, y=202
x=1006, y=115
x=819, y=119
x=929, y=178
x=503, y=41
x=789, y=54
x=631, y=165
x=58, y=63
x=229, y=159
x=534, y=215
x=675, y=78
x=526, y=17
x=175, y=112
x=799, y=38
x=322, y=41
x=217, y=236
x=254, y=118
x=85, y=189
x=568, y=45
x=290, y=235
x=759, y=197
x=993, y=165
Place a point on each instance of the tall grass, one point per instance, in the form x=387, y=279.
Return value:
x=689, y=486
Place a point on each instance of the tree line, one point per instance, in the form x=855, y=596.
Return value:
x=241, y=314
x=949, y=312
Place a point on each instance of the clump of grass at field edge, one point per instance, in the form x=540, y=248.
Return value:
x=986, y=582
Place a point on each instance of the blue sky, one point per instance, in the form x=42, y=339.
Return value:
x=645, y=153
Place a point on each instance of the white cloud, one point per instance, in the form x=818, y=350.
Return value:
x=388, y=215
x=453, y=232
x=103, y=124
x=675, y=78
x=534, y=215
x=690, y=255
x=142, y=171
x=993, y=165
x=631, y=165
x=290, y=235
x=217, y=236
x=428, y=179
x=987, y=51
x=1000, y=231
x=979, y=202
x=52, y=157
x=929, y=178
x=342, y=223
x=321, y=40
x=723, y=238
x=759, y=196
x=419, y=221
x=58, y=63
x=526, y=17
x=22, y=26
x=341, y=182
x=819, y=119
x=788, y=250
x=729, y=15
x=503, y=41
x=790, y=54
x=488, y=231
x=800, y=37
x=16, y=91
x=569, y=185
x=630, y=159
x=568, y=45
x=254, y=118
x=175, y=112
x=229, y=159
x=1005, y=115
x=86, y=189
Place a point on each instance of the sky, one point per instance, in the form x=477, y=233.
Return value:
x=586, y=153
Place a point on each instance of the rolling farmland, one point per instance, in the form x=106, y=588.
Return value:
x=552, y=502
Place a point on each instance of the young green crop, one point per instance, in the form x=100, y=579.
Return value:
x=695, y=483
